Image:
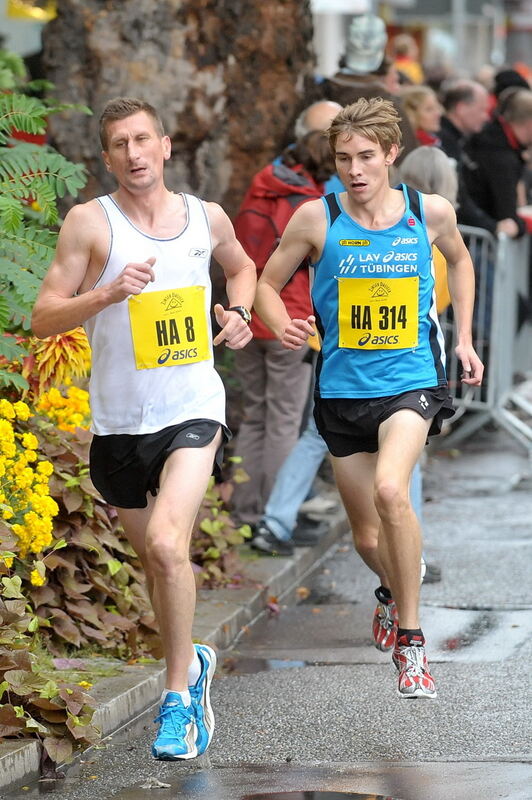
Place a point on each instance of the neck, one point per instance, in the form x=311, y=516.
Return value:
x=381, y=211
x=146, y=206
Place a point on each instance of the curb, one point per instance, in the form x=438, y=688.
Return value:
x=220, y=616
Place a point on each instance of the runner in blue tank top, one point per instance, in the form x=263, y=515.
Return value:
x=381, y=387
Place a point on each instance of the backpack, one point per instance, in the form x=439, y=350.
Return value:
x=275, y=193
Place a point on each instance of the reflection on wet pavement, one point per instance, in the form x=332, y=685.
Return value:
x=315, y=796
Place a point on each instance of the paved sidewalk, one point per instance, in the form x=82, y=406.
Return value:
x=220, y=616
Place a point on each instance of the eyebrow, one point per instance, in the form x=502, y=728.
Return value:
x=360, y=153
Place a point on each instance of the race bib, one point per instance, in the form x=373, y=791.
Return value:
x=378, y=314
x=169, y=327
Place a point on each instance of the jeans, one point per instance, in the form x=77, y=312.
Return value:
x=294, y=481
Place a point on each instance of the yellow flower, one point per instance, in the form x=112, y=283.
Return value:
x=30, y=441
x=36, y=579
x=7, y=512
x=85, y=685
x=8, y=561
x=45, y=468
x=6, y=409
x=22, y=410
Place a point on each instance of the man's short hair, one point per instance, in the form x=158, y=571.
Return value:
x=515, y=104
x=122, y=107
x=461, y=91
x=374, y=118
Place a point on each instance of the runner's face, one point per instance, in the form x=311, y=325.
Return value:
x=136, y=152
x=362, y=166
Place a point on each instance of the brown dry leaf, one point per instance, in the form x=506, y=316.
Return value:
x=302, y=592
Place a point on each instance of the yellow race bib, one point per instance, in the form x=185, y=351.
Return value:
x=169, y=327
x=378, y=314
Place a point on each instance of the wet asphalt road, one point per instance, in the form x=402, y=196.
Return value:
x=307, y=708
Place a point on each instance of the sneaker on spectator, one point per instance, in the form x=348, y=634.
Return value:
x=432, y=573
x=178, y=732
x=265, y=541
x=200, y=695
x=306, y=535
x=385, y=625
x=319, y=506
x=415, y=679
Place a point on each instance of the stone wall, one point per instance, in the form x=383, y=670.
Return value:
x=228, y=77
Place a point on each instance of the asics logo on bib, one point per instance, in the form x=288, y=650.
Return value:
x=377, y=340
x=176, y=355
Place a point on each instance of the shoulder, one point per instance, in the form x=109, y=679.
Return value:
x=84, y=219
x=217, y=217
x=310, y=211
x=440, y=215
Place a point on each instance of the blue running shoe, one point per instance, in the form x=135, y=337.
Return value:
x=177, y=732
x=201, y=699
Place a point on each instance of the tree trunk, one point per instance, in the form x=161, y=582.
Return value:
x=227, y=76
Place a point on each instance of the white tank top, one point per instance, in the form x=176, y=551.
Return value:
x=152, y=363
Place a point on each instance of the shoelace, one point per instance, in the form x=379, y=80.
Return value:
x=174, y=718
x=386, y=616
x=415, y=661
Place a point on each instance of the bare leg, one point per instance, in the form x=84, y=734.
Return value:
x=355, y=476
x=164, y=550
x=401, y=440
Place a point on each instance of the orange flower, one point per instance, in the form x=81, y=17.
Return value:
x=59, y=358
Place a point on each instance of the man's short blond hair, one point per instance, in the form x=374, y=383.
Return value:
x=123, y=107
x=374, y=118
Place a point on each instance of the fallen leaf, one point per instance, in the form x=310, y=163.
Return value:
x=154, y=783
x=302, y=592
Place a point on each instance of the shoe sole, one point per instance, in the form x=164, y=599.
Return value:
x=419, y=694
x=184, y=757
x=208, y=712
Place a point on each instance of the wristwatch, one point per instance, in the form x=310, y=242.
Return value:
x=244, y=313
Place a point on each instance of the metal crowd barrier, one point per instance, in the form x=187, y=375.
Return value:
x=501, y=269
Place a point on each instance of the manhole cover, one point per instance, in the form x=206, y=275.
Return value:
x=316, y=796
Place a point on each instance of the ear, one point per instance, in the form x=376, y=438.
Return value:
x=167, y=147
x=391, y=155
x=105, y=158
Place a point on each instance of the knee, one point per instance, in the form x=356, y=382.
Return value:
x=391, y=499
x=366, y=541
x=166, y=554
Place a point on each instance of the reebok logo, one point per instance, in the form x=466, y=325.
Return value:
x=198, y=252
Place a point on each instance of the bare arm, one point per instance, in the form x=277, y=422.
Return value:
x=441, y=220
x=303, y=236
x=80, y=245
x=241, y=278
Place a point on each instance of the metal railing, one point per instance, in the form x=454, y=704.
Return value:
x=501, y=269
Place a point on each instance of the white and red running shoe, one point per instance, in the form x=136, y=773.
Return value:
x=415, y=679
x=385, y=625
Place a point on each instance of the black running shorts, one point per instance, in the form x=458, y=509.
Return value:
x=125, y=467
x=350, y=425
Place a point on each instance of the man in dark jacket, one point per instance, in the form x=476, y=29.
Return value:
x=495, y=164
x=466, y=106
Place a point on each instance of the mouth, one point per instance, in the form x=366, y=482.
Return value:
x=137, y=170
x=358, y=186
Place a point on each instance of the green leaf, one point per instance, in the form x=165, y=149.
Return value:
x=33, y=624
x=12, y=587
x=114, y=566
x=211, y=552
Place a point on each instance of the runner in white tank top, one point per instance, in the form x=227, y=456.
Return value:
x=133, y=267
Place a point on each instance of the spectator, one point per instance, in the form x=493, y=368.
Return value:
x=495, y=165
x=424, y=112
x=275, y=382
x=466, y=105
x=363, y=73
x=405, y=52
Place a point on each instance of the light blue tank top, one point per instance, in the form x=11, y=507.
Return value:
x=375, y=305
